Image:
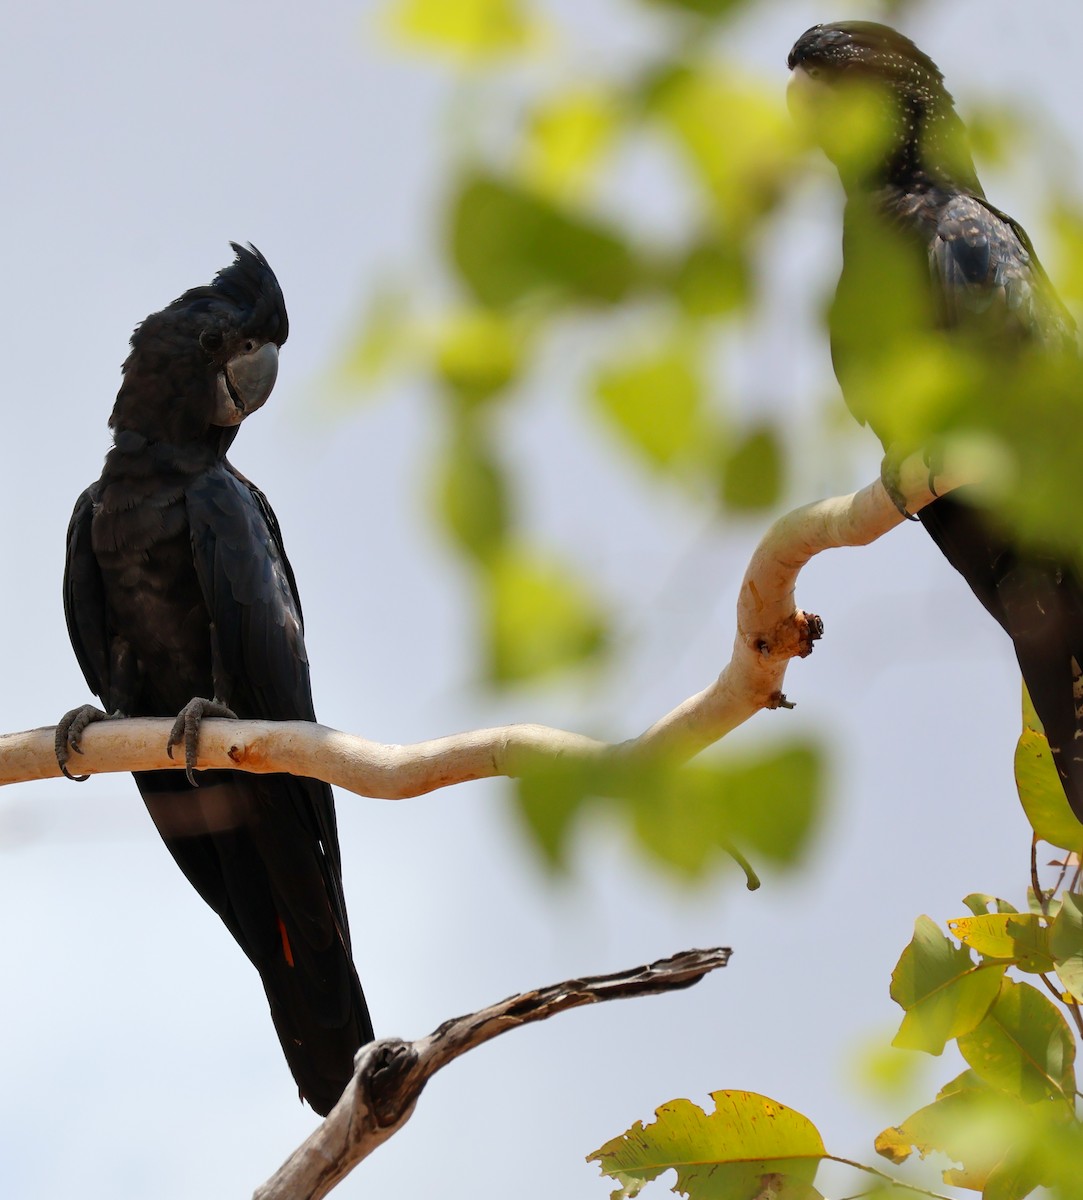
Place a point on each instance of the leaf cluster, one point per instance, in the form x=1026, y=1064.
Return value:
x=1008, y=1123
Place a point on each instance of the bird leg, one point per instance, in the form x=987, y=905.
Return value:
x=69, y=735
x=186, y=729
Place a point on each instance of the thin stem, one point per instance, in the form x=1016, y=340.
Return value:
x=1061, y=877
x=1071, y=1005
x=910, y=1187
x=1035, y=882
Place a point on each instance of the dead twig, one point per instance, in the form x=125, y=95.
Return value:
x=390, y=1074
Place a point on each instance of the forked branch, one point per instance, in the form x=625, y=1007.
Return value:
x=390, y=1074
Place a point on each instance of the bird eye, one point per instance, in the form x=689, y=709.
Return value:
x=813, y=71
x=249, y=346
x=211, y=341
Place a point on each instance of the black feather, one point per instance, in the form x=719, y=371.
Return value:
x=177, y=585
x=917, y=222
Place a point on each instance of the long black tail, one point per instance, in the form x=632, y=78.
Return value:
x=1039, y=603
x=321, y=1018
x=262, y=851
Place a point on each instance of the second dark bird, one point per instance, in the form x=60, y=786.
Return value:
x=927, y=256
x=180, y=599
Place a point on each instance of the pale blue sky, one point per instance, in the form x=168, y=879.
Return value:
x=135, y=1048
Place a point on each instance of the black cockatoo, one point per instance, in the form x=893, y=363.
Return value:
x=926, y=258
x=180, y=599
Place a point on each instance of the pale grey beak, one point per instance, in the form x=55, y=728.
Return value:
x=244, y=384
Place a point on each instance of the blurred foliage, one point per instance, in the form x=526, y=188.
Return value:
x=686, y=818
x=509, y=244
x=536, y=234
x=473, y=31
x=1008, y=1123
x=533, y=239
x=529, y=244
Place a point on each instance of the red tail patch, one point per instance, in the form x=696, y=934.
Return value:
x=287, y=950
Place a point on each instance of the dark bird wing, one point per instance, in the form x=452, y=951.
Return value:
x=984, y=268
x=924, y=251
x=84, y=599
x=177, y=589
x=263, y=850
x=988, y=279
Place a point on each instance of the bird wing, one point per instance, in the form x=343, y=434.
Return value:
x=258, y=639
x=267, y=858
x=84, y=599
x=991, y=286
x=985, y=268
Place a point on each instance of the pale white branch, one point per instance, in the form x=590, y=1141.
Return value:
x=390, y=1074
x=770, y=631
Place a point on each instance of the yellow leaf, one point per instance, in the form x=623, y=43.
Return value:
x=566, y=137
x=470, y=30
x=736, y=134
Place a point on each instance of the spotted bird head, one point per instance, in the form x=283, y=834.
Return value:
x=877, y=105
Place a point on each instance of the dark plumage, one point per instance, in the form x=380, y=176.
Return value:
x=177, y=586
x=926, y=256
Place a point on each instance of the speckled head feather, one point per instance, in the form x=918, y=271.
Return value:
x=867, y=46
x=931, y=138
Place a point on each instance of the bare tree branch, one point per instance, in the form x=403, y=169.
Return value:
x=390, y=1074
x=770, y=631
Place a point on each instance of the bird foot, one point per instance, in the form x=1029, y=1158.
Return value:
x=889, y=477
x=69, y=736
x=186, y=729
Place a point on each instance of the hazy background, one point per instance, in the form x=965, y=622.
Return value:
x=136, y=1052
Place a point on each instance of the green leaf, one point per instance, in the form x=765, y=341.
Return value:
x=467, y=29
x=471, y=493
x=712, y=278
x=704, y=8
x=736, y=135
x=749, y=1146
x=754, y=471
x=655, y=401
x=1067, y=228
x=942, y=990
x=980, y=903
x=1040, y=789
x=986, y=1131
x=550, y=797
x=386, y=337
x=541, y=618
x=1045, y=904
x=686, y=817
x=510, y=244
x=479, y=353
x=1022, y=938
x=1066, y=943
x=1023, y=1046
x=766, y=804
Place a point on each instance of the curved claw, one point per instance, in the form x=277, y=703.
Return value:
x=889, y=477
x=69, y=735
x=186, y=729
